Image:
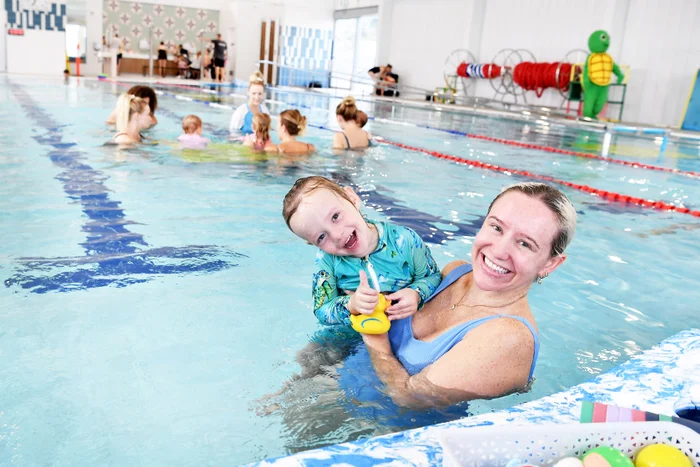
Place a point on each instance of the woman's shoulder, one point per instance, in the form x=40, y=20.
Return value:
x=452, y=266
x=123, y=138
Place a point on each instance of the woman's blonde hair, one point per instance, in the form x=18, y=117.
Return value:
x=261, y=127
x=305, y=186
x=293, y=121
x=191, y=123
x=557, y=202
x=256, y=79
x=347, y=109
x=127, y=106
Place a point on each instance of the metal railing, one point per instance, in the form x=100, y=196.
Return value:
x=412, y=96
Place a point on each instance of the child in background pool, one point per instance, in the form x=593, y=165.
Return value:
x=192, y=139
x=328, y=216
x=362, y=118
x=260, y=139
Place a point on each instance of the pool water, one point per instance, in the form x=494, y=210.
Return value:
x=153, y=296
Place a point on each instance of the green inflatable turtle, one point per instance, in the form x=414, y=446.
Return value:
x=596, y=74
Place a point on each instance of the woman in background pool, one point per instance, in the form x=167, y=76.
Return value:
x=352, y=135
x=242, y=119
x=146, y=93
x=476, y=337
x=290, y=125
x=133, y=115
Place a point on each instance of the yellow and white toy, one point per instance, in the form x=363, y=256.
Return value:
x=377, y=322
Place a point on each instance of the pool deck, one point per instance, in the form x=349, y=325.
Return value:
x=650, y=381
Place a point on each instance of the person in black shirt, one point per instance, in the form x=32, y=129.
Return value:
x=220, y=55
x=388, y=80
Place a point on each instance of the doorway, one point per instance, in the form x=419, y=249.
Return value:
x=354, y=48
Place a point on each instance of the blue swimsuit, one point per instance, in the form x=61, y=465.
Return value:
x=415, y=355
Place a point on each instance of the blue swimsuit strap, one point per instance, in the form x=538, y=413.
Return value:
x=460, y=271
x=451, y=278
x=347, y=141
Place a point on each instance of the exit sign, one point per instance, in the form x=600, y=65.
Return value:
x=15, y=32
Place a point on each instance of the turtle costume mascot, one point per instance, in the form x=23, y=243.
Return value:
x=596, y=74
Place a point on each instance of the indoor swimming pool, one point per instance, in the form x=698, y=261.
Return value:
x=153, y=297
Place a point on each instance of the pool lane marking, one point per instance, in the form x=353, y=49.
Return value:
x=608, y=195
x=113, y=253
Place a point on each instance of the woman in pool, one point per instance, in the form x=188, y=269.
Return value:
x=146, y=93
x=476, y=336
x=242, y=119
x=352, y=135
x=133, y=115
x=290, y=125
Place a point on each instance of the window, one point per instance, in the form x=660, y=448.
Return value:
x=354, y=48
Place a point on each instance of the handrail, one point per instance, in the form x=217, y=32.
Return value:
x=350, y=77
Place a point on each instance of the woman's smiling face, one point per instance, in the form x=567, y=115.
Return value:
x=514, y=244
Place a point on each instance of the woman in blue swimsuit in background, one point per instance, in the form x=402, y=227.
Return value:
x=242, y=118
x=476, y=337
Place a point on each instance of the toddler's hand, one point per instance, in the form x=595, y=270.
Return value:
x=405, y=303
x=364, y=299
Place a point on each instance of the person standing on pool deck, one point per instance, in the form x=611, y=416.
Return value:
x=220, y=55
x=242, y=118
x=162, y=58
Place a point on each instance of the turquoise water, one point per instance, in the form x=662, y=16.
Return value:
x=153, y=296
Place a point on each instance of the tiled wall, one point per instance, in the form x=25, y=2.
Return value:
x=47, y=17
x=307, y=49
x=172, y=25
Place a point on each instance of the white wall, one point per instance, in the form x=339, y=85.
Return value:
x=660, y=42
x=662, y=45
x=3, y=34
x=93, y=26
x=37, y=52
x=422, y=35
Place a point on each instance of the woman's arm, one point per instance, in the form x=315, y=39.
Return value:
x=237, y=119
x=112, y=119
x=492, y=360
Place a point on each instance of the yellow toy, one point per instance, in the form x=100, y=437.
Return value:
x=376, y=323
x=661, y=455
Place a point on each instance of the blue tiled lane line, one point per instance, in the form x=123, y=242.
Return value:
x=113, y=254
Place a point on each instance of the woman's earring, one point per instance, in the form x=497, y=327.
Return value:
x=543, y=276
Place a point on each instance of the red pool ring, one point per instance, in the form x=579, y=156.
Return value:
x=624, y=199
x=683, y=210
x=634, y=200
x=660, y=205
x=695, y=213
x=647, y=203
